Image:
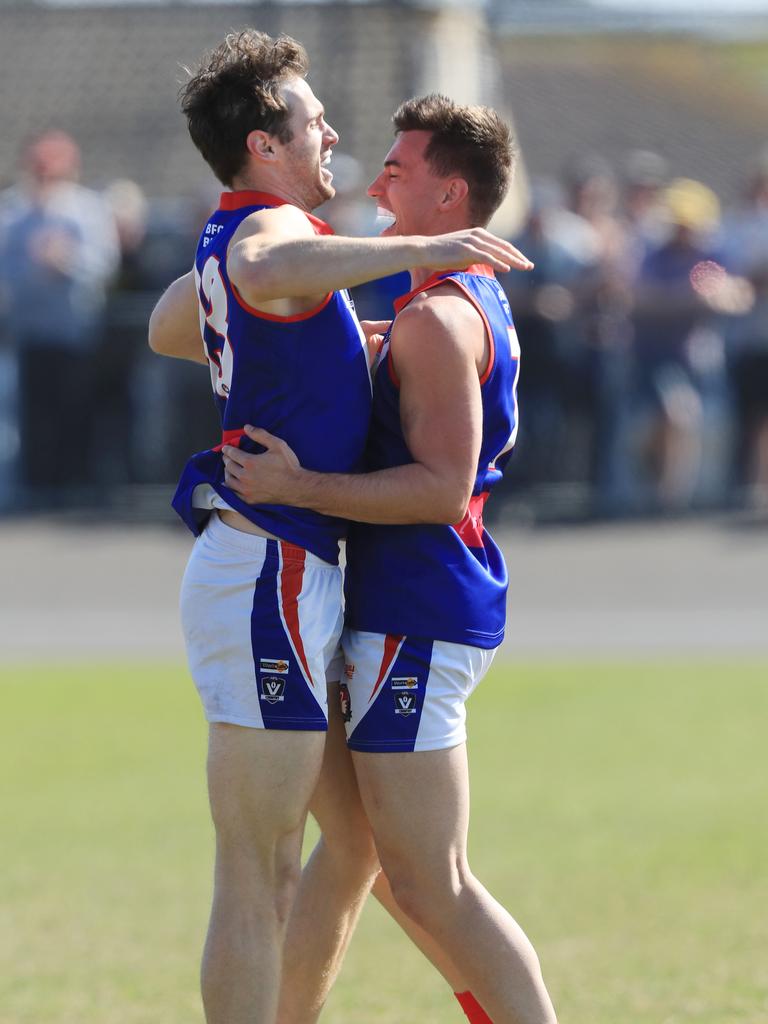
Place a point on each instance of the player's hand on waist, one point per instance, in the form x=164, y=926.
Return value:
x=371, y=327
x=263, y=479
x=374, y=331
x=460, y=249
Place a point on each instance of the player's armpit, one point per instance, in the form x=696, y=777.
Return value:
x=174, y=326
x=434, y=349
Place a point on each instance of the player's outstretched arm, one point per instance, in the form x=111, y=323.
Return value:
x=278, y=257
x=174, y=326
x=435, y=344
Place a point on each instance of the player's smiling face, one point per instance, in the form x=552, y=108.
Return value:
x=308, y=155
x=408, y=188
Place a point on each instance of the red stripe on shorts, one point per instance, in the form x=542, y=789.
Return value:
x=291, y=579
x=391, y=647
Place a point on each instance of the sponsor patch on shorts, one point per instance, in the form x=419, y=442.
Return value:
x=275, y=666
x=405, y=682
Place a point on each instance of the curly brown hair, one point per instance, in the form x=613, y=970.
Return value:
x=473, y=142
x=234, y=91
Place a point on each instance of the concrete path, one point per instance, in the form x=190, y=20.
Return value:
x=622, y=591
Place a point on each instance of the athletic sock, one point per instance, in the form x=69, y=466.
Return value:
x=472, y=1008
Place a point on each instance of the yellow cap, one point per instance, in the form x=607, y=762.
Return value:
x=692, y=204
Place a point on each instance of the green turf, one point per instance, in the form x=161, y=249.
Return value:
x=619, y=812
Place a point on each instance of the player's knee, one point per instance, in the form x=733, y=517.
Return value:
x=410, y=898
x=425, y=889
x=237, y=834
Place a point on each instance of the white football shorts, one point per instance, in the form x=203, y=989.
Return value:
x=262, y=620
x=407, y=693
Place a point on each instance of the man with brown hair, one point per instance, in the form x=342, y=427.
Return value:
x=261, y=602
x=425, y=584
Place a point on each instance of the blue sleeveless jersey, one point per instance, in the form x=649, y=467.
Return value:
x=303, y=378
x=441, y=582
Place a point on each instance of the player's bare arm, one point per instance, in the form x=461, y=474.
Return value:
x=174, y=327
x=280, y=266
x=438, y=351
x=276, y=255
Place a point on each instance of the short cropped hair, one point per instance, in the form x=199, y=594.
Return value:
x=234, y=91
x=472, y=142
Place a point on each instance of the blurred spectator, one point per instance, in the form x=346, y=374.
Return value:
x=645, y=176
x=163, y=391
x=122, y=343
x=143, y=423
x=745, y=253
x=601, y=347
x=543, y=304
x=58, y=251
x=572, y=314
x=681, y=385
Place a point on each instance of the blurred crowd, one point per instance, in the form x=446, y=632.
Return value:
x=644, y=331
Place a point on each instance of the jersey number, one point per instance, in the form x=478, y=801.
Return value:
x=214, y=325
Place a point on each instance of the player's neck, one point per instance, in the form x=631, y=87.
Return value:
x=440, y=226
x=419, y=275
x=251, y=183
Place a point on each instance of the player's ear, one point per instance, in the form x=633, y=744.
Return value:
x=261, y=145
x=455, y=192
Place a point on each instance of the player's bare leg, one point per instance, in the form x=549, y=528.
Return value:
x=418, y=936
x=259, y=783
x=418, y=807
x=335, y=883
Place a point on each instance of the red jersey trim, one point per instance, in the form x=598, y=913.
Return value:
x=248, y=197
x=231, y=437
x=480, y=270
x=280, y=319
x=471, y=529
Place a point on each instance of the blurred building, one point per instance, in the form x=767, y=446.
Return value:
x=578, y=76
x=109, y=74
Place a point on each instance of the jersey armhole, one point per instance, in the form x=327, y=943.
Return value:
x=488, y=332
x=273, y=317
x=319, y=227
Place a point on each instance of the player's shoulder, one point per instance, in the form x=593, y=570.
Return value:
x=437, y=325
x=444, y=307
x=284, y=221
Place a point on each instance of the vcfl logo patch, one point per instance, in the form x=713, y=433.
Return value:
x=405, y=703
x=272, y=689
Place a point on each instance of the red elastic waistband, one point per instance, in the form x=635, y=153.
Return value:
x=471, y=529
x=230, y=437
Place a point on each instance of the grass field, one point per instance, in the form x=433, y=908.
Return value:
x=619, y=811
